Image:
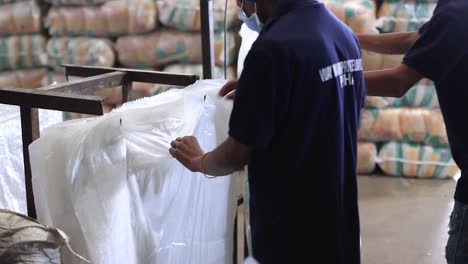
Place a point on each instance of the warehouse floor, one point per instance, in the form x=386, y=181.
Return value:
x=403, y=220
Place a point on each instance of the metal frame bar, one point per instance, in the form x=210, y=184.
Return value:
x=207, y=35
x=69, y=97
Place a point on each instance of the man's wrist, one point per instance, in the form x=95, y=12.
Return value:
x=198, y=165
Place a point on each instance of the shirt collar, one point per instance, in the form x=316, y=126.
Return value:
x=287, y=6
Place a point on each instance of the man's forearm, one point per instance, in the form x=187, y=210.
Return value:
x=391, y=83
x=391, y=43
x=226, y=159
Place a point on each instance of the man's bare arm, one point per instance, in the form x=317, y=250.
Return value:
x=391, y=43
x=391, y=83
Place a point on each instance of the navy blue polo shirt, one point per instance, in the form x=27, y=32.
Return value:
x=441, y=54
x=297, y=106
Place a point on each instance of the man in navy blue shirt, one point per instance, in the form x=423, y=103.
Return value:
x=294, y=122
x=438, y=51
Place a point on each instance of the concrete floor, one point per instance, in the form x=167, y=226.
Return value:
x=404, y=221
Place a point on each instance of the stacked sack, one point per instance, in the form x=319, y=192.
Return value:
x=405, y=16
x=84, y=33
x=398, y=16
x=22, y=47
x=359, y=15
x=410, y=129
x=178, y=41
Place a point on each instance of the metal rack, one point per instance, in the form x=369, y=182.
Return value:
x=73, y=96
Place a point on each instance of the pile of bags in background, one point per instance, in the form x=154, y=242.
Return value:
x=404, y=16
x=22, y=47
x=409, y=131
x=146, y=34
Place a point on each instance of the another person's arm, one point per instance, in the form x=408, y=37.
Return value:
x=391, y=43
x=391, y=83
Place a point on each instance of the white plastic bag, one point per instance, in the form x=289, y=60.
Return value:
x=110, y=183
x=12, y=185
x=248, y=38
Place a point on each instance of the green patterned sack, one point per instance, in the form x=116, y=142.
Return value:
x=404, y=16
x=167, y=47
x=76, y=2
x=367, y=155
x=20, y=18
x=412, y=160
x=22, y=52
x=116, y=18
x=417, y=125
x=359, y=15
x=80, y=51
x=423, y=94
x=184, y=15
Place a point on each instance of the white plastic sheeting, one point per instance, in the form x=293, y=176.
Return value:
x=12, y=186
x=111, y=185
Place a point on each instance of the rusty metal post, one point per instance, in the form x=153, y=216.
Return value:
x=207, y=38
x=30, y=132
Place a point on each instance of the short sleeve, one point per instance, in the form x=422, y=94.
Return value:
x=256, y=105
x=423, y=28
x=438, y=49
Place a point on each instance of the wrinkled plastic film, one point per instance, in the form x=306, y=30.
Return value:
x=12, y=184
x=123, y=190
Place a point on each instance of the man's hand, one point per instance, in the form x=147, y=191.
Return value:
x=187, y=151
x=229, y=89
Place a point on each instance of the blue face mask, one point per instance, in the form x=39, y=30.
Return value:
x=253, y=22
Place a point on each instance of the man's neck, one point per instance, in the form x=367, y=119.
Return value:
x=266, y=8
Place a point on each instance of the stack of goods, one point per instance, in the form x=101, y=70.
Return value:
x=367, y=157
x=398, y=16
x=83, y=33
x=412, y=133
x=179, y=40
x=410, y=130
x=22, y=48
x=128, y=33
x=405, y=16
x=196, y=69
x=359, y=15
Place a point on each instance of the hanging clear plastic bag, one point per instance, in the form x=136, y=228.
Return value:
x=110, y=183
